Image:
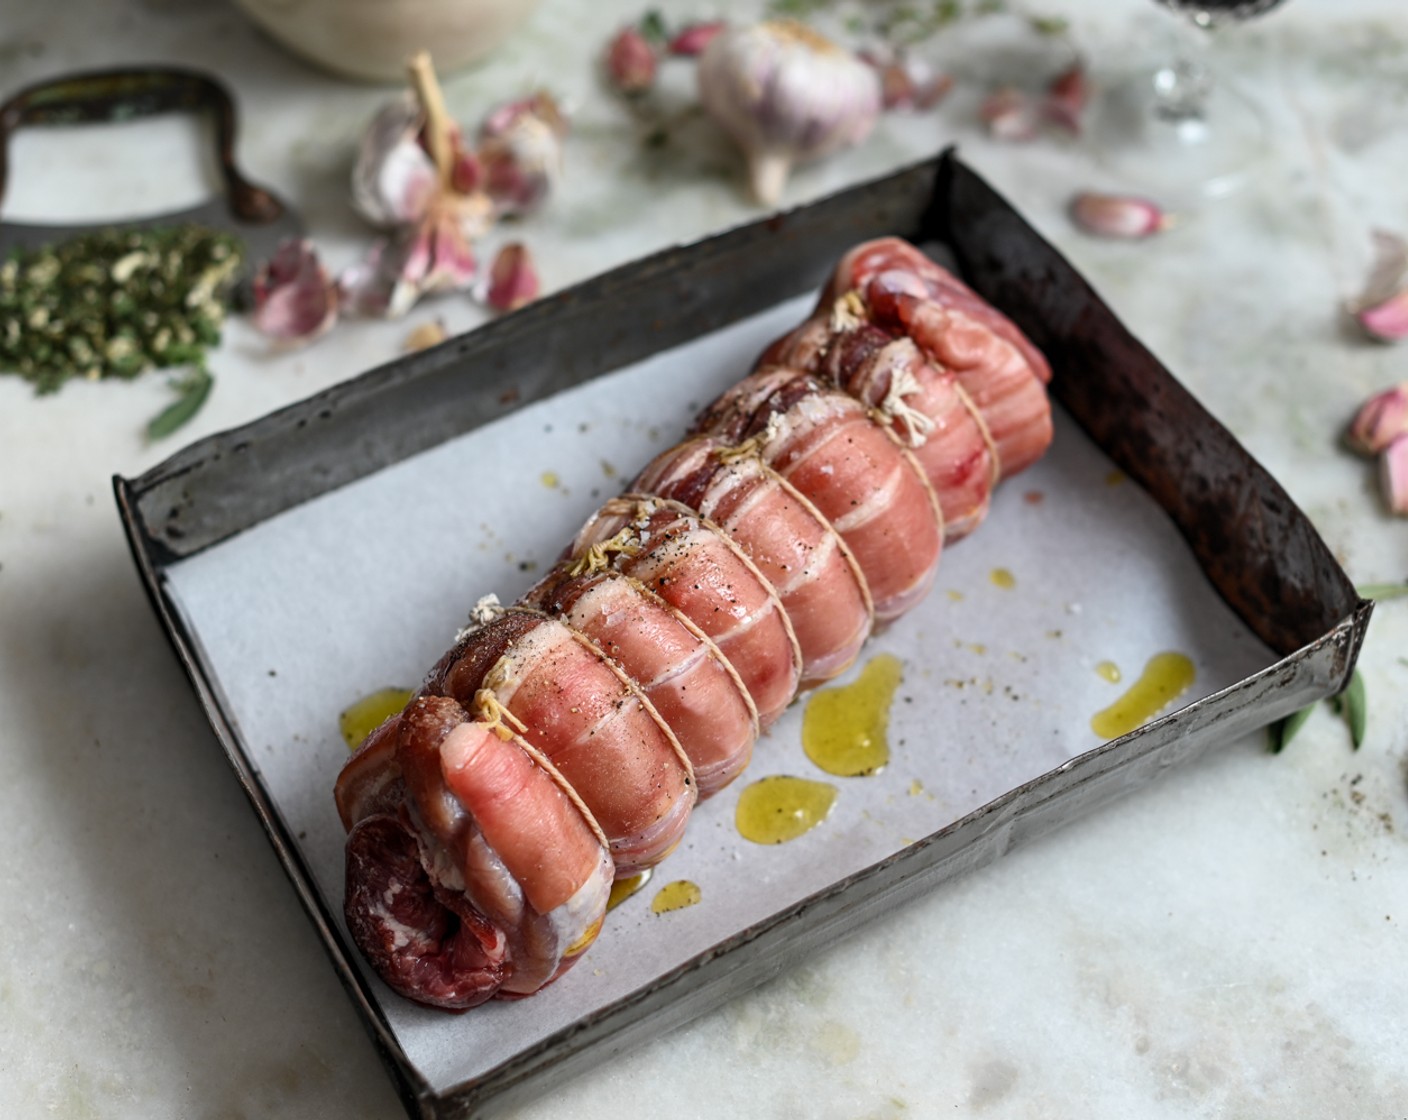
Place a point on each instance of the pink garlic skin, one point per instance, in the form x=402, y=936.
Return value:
x=432, y=256
x=1010, y=115
x=691, y=41
x=1386, y=321
x=631, y=63
x=394, y=177
x=1393, y=475
x=520, y=152
x=905, y=84
x=295, y=300
x=1066, y=98
x=1118, y=216
x=1381, y=420
x=513, y=278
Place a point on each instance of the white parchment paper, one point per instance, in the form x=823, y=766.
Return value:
x=365, y=587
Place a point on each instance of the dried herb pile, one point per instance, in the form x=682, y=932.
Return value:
x=115, y=304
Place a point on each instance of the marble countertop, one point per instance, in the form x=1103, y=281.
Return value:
x=1228, y=942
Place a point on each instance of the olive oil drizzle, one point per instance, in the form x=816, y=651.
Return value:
x=780, y=808
x=369, y=713
x=675, y=896
x=845, y=729
x=622, y=889
x=1165, y=678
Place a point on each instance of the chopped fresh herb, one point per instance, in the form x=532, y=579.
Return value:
x=192, y=391
x=114, y=304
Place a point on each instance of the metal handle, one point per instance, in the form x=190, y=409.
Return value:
x=120, y=95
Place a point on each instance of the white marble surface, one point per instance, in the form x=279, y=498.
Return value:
x=1229, y=942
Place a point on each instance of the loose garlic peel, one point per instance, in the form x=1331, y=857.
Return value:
x=786, y=94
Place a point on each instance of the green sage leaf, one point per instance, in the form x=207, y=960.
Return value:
x=1381, y=592
x=1356, y=708
x=1284, y=730
x=192, y=393
x=1049, y=25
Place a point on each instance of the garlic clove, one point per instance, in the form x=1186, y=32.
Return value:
x=365, y=288
x=520, y=152
x=295, y=300
x=1381, y=420
x=423, y=337
x=513, y=278
x=631, y=63
x=466, y=173
x=906, y=83
x=1067, y=97
x=1010, y=115
x=433, y=256
x=1123, y=216
x=394, y=177
x=692, y=39
x=1386, y=321
x=1393, y=475
x=931, y=89
x=786, y=94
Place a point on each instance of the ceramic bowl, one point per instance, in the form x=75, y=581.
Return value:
x=371, y=39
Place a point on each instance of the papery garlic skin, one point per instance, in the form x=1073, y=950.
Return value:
x=295, y=300
x=1393, y=475
x=394, y=177
x=1386, y=321
x=513, y=278
x=435, y=255
x=1010, y=115
x=786, y=95
x=520, y=152
x=906, y=83
x=1067, y=97
x=1380, y=421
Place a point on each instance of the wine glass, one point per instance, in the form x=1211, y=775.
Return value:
x=1177, y=132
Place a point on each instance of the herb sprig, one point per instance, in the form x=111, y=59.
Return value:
x=1352, y=705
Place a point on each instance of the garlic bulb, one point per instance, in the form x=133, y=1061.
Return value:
x=786, y=94
x=394, y=176
x=414, y=174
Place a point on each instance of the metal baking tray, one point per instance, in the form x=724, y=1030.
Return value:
x=279, y=514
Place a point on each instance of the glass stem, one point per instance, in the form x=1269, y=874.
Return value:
x=1182, y=85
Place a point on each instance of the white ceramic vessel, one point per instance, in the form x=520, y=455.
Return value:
x=371, y=39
